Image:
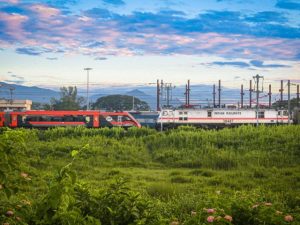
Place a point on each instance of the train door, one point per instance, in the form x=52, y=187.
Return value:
x=13, y=118
x=281, y=115
x=1, y=119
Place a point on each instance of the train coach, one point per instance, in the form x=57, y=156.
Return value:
x=221, y=117
x=45, y=119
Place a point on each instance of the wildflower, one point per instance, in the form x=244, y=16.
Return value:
x=278, y=212
x=5, y=223
x=228, y=218
x=255, y=206
x=1, y=186
x=218, y=192
x=268, y=204
x=288, y=218
x=210, y=219
x=193, y=213
x=18, y=218
x=210, y=211
x=175, y=223
x=24, y=175
x=9, y=213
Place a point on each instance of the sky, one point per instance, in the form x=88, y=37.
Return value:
x=48, y=43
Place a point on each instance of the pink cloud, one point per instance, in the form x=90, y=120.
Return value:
x=13, y=24
x=10, y=1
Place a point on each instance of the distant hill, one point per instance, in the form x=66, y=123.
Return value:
x=200, y=94
x=33, y=93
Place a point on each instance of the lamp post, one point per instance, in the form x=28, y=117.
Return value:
x=87, y=88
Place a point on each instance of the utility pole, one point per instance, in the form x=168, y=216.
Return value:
x=87, y=88
x=242, y=96
x=188, y=93
x=214, y=96
x=281, y=93
x=298, y=103
x=185, y=95
x=250, y=94
x=257, y=78
x=289, y=100
x=11, y=89
x=132, y=103
x=270, y=96
x=157, y=96
x=219, y=91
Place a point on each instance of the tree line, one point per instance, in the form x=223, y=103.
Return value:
x=69, y=100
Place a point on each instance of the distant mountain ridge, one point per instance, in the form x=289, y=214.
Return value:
x=36, y=94
x=200, y=94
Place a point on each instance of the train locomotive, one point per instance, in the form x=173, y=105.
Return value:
x=218, y=117
x=46, y=119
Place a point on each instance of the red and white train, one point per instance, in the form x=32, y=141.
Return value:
x=45, y=119
x=221, y=117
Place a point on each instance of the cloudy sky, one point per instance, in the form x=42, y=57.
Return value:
x=49, y=42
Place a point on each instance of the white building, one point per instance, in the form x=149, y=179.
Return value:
x=15, y=105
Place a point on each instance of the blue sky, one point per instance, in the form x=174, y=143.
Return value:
x=49, y=42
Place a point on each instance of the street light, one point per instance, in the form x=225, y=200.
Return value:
x=87, y=88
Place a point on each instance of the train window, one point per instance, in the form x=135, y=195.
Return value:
x=180, y=113
x=126, y=118
x=209, y=114
x=261, y=115
x=279, y=113
x=120, y=118
x=56, y=119
x=185, y=118
x=165, y=113
x=180, y=118
x=185, y=113
x=69, y=118
x=87, y=119
x=285, y=113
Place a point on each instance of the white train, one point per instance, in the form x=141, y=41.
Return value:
x=221, y=117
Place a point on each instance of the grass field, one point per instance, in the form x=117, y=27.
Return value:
x=244, y=175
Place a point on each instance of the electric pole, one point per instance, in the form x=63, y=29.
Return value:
x=242, y=96
x=257, y=78
x=281, y=93
x=270, y=96
x=87, y=88
x=219, y=91
x=157, y=96
x=289, y=100
x=188, y=93
x=298, y=103
x=250, y=94
x=214, y=96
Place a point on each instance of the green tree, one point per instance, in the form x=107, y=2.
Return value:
x=120, y=102
x=68, y=99
x=284, y=104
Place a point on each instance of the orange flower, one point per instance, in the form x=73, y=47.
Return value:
x=288, y=218
x=228, y=218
